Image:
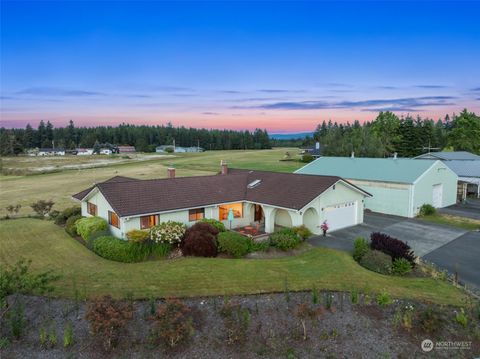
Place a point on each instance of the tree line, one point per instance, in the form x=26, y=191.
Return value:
x=389, y=134
x=144, y=138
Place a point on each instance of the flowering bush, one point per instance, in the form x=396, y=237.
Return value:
x=168, y=232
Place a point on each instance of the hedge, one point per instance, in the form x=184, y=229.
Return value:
x=88, y=225
x=217, y=224
x=70, y=225
x=285, y=239
x=234, y=244
x=62, y=217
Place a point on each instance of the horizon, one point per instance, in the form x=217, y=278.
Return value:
x=284, y=67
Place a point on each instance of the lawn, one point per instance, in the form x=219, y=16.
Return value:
x=461, y=222
x=59, y=186
x=50, y=247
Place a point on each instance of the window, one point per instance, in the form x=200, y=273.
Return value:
x=196, y=214
x=148, y=221
x=223, y=211
x=91, y=209
x=113, y=219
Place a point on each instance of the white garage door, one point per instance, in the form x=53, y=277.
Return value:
x=341, y=215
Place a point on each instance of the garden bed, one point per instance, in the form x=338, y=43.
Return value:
x=340, y=329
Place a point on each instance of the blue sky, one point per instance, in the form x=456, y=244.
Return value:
x=284, y=66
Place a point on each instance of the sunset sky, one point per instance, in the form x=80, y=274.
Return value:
x=275, y=65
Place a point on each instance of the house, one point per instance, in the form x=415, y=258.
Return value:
x=449, y=156
x=51, y=152
x=314, y=151
x=126, y=149
x=106, y=151
x=178, y=149
x=266, y=199
x=399, y=186
x=84, y=151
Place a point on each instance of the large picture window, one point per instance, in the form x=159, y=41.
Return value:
x=196, y=214
x=148, y=221
x=224, y=209
x=91, y=209
x=113, y=219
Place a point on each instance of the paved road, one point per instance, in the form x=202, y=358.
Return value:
x=470, y=209
x=449, y=248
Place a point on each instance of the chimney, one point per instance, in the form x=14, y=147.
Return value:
x=395, y=155
x=224, y=166
x=352, y=155
x=171, y=172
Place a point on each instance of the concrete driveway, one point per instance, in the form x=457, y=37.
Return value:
x=448, y=247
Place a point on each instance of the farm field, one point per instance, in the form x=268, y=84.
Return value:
x=50, y=247
x=60, y=185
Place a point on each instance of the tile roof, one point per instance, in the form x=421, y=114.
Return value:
x=449, y=156
x=399, y=170
x=133, y=197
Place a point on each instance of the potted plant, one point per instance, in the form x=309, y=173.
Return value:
x=324, y=228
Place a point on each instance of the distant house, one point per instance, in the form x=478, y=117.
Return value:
x=467, y=167
x=84, y=151
x=399, y=186
x=126, y=149
x=106, y=151
x=51, y=152
x=313, y=151
x=449, y=156
x=268, y=200
x=178, y=149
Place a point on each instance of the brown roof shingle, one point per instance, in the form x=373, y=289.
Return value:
x=133, y=197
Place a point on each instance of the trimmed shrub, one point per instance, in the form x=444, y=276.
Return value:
x=168, y=232
x=70, y=225
x=173, y=323
x=118, y=250
x=427, y=210
x=217, y=224
x=307, y=157
x=259, y=246
x=200, y=241
x=392, y=246
x=377, y=261
x=303, y=232
x=138, y=236
x=94, y=236
x=88, y=225
x=360, y=248
x=284, y=239
x=108, y=318
x=401, y=267
x=67, y=213
x=234, y=244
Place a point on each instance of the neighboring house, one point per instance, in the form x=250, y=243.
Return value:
x=314, y=151
x=266, y=199
x=126, y=149
x=51, y=152
x=449, y=156
x=468, y=173
x=84, y=151
x=399, y=186
x=178, y=149
x=106, y=151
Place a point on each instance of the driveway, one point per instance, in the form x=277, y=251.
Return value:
x=449, y=248
x=469, y=209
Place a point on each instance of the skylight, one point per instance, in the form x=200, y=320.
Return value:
x=254, y=183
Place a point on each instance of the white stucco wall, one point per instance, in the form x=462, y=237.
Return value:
x=97, y=198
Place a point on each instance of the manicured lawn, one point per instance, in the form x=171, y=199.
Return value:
x=61, y=185
x=460, y=222
x=51, y=248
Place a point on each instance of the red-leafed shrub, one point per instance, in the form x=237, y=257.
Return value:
x=107, y=318
x=392, y=246
x=200, y=240
x=173, y=322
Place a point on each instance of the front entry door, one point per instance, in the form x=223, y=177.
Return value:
x=258, y=216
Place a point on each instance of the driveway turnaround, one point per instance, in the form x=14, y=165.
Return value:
x=422, y=237
x=460, y=256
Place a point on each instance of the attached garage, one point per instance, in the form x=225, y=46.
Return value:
x=398, y=186
x=341, y=215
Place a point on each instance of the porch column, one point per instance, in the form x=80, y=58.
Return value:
x=269, y=214
x=297, y=218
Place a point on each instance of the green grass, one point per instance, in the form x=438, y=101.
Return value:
x=460, y=222
x=50, y=247
x=59, y=186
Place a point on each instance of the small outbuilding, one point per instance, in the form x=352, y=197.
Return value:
x=398, y=186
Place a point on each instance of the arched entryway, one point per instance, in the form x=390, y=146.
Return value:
x=282, y=218
x=311, y=219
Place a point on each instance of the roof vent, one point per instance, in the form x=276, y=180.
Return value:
x=254, y=183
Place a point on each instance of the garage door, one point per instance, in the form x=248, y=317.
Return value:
x=341, y=215
x=437, y=192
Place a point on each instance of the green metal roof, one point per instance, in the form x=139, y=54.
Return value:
x=400, y=170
